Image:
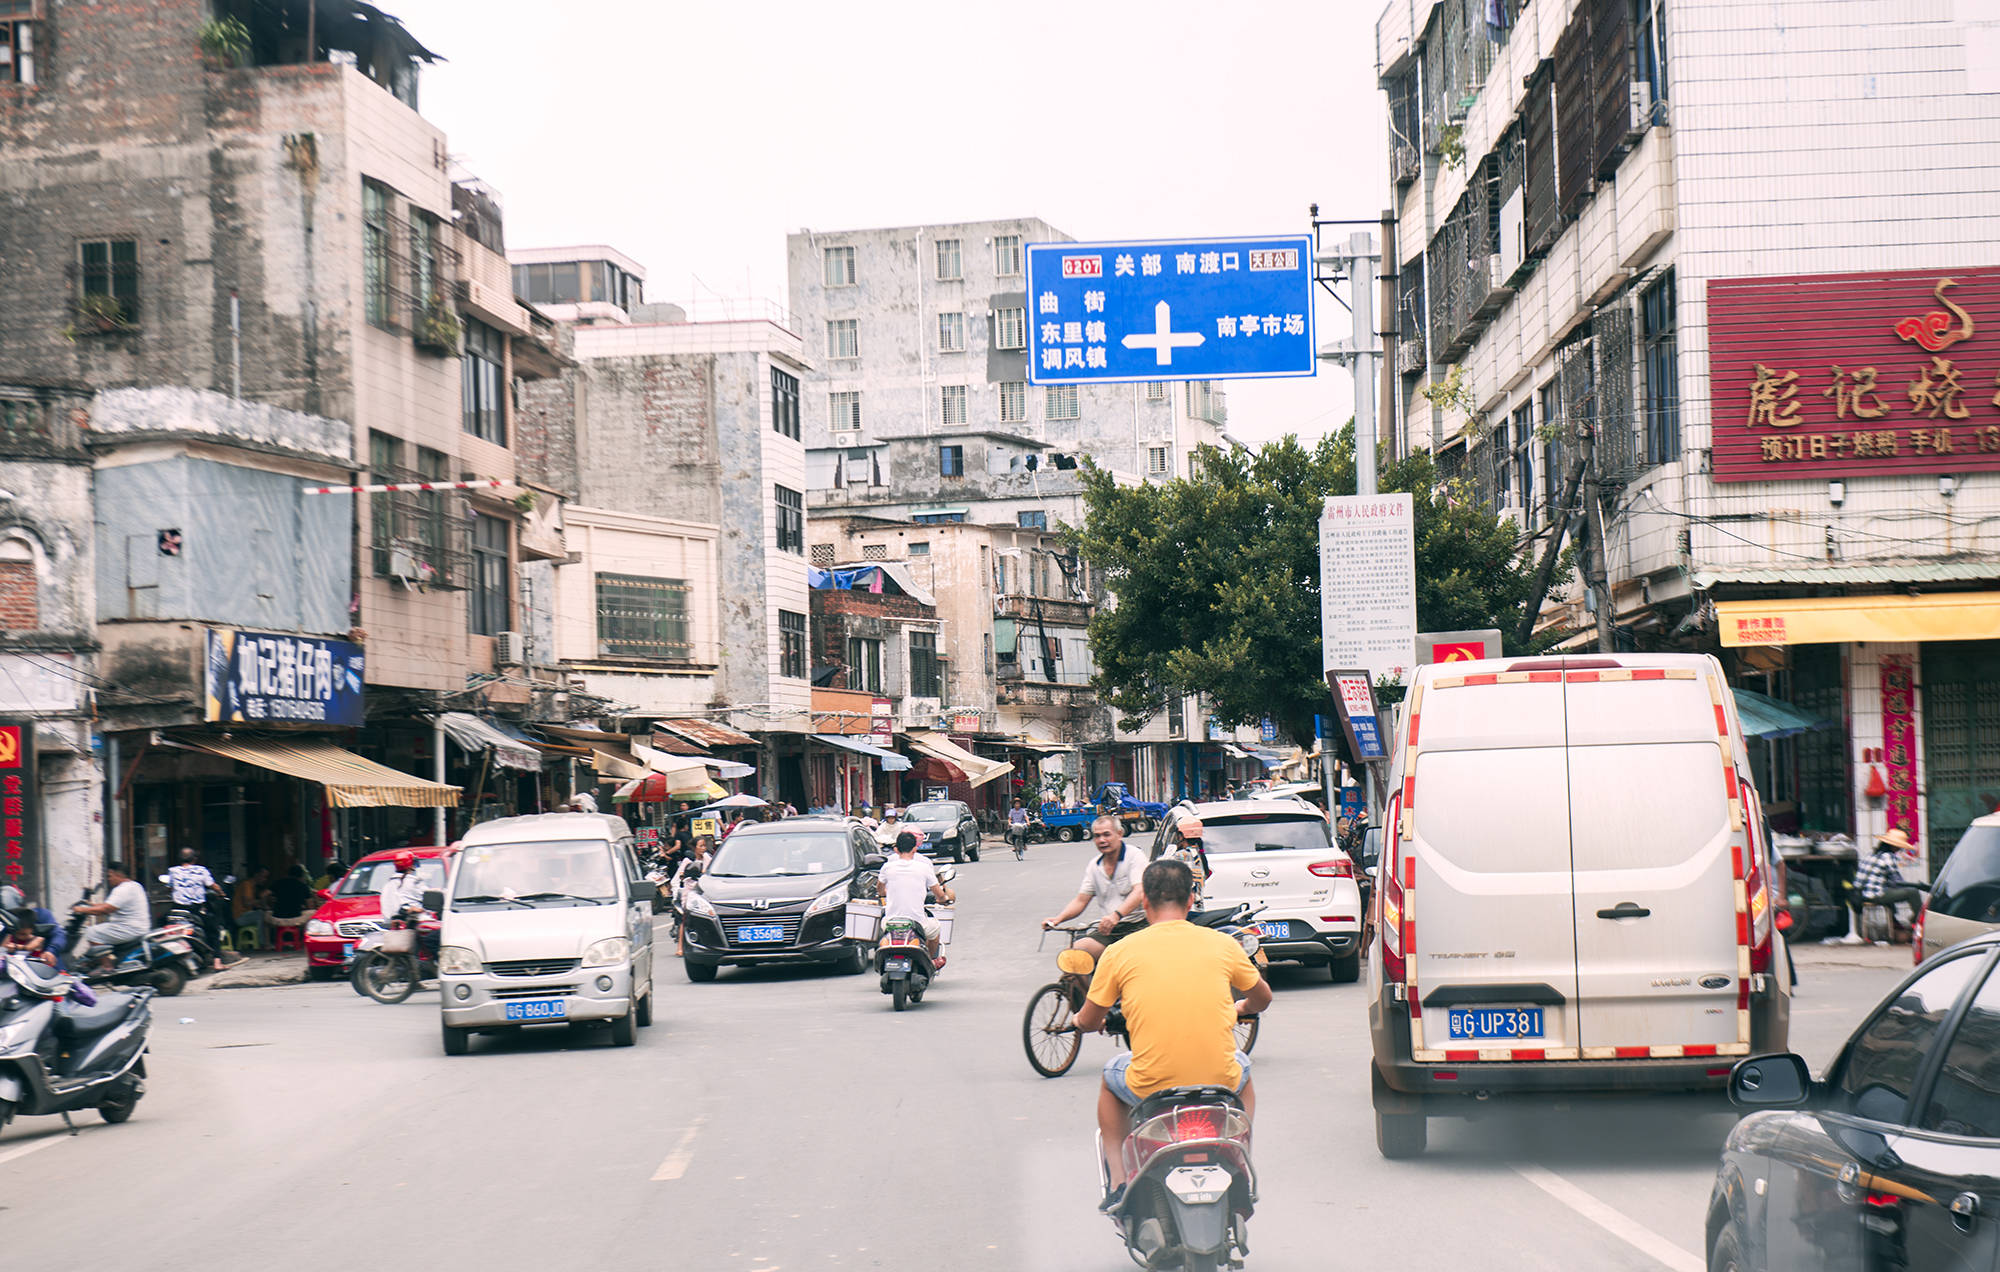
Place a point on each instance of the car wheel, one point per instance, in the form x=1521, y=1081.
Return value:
x=624, y=1032
x=975, y=847
x=855, y=961
x=646, y=1010
x=699, y=973
x=1400, y=1136
x=1726, y=1255
x=457, y=1041
x=1345, y=971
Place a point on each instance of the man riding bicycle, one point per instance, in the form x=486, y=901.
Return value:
x=1110, y=888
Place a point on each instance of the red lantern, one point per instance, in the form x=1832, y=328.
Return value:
x=1877, y=788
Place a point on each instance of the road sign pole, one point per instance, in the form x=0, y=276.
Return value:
x=1361, y=247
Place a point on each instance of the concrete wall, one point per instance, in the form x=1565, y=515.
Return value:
x=628, y=543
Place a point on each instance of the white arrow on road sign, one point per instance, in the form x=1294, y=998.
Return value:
x=1164, y=339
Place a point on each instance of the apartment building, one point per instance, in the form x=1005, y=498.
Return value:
x=1706, y=284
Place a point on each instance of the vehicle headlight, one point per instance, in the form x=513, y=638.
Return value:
x=830, y=900
x=609, y=952
x=697, y=903
x=319, y=927
x=456, y=960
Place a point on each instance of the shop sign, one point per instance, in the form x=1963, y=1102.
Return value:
x=1899, y=749
x=646, y=837
x=266, y=678
x=20, y=807
x=1354, y=695
x=882, y=722
x=1855, y=375
x=965, y=722
x=710, y=826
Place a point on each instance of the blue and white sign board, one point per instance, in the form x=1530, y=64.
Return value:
x=267, y=677
x=1166, y=309
x=1354, y=695
x=1350, y=801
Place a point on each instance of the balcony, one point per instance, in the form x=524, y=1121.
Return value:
x=1029, y=609
x=1030, y=693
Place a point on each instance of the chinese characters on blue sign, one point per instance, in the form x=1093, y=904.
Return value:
x=259, y=677
x=1201, y=309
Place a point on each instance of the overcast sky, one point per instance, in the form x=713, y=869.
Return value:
x=694, y=137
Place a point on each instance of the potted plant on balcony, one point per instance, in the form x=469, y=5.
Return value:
x=98, y=315
x=224, y=41
x=437, y=327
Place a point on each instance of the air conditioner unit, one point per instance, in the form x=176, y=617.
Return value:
x=1410, y=354
x=1641, y=115
x=510, y=649
x=403, y=566
x=1405, y=165
x=1513, y=233
x=1516, y=516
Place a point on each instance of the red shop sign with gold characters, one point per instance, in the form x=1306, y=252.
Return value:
x=1855, y=375
x=20, y=807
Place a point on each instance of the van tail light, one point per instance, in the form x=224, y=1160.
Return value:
x=1339, y=868
x=1389, y=896
x=1917, y=935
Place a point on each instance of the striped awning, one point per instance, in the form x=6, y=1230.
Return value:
x=351, y=781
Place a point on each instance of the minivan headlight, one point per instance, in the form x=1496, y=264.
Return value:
x=829, y=900
x=609, y=952
x=319, y=927
x=456, y=960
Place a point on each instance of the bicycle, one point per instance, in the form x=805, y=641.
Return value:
x=1048, y=1030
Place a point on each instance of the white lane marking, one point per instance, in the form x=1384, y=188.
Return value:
x=1617, y=1223
x=35, y=1146
x=676, y=1163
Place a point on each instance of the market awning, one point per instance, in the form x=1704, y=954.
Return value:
x=1037, y=746
x=978, y=769
x=1766, y=717
x=706, y=733
x=1236, y=752
x=475, y=734
x=891, y=762
x=1819, y=620
x=351, y=781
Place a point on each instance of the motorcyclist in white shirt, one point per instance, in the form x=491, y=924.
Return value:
x=904, y=882
x=405, y=891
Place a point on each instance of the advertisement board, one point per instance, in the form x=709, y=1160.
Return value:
x=272, y=678
x=20, y=808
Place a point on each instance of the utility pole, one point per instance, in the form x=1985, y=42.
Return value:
x=1355, y=262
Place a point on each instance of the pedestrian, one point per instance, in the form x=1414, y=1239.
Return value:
x=252, y=903
x=122, y=916
x=22, y=938
x=1880, y=882
x=191, y=886
x=684, y=878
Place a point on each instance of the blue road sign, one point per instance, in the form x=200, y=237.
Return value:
x=1165, y=309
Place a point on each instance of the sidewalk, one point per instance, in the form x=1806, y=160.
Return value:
x=1834, y=954
x=256, y=971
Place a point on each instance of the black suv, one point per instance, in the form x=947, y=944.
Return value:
x=944, y=826
x=777, y=892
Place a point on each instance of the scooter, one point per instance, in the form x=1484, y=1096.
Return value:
x=903, y=957
x=162, y=959
x=1190, y=1188
x=63, y=1049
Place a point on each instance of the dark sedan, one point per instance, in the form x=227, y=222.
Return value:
x=777, y=892
x=947, y=826
x=1889, y=1161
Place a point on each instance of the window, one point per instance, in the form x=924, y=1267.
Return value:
x=864, y=664
x=1524, y=456
x=791, y=520
x=1204, y=401
x=822, y=555
x=1663, y=395
x=1176, y=714
x=950, y=260
x=1554, y=461
x=1965, y=1099
x=840, y=267
x=1060, y=403
x=19, y=23
x=1032, y=520
x=925, y=682
x=1156, y=390
x=640, y=617
x=425, y=512
x=843, y=338
x=1007, y=255
x=20, y=608
x=108, y=279
x=936, y=518
x=1651, y=42
x=425, y=294
x=951, y=333
x=785, y=403
x=562, y=283
x=1501, y=442
x=951, y=403
x=1010, y=329
x=1880, y=1068
x=482, y=374
x=375, y=249
x=385, y=464
x=844, y=410
x=1159, y=461
x=1013, y=401
x=792, y=643
x=486, y=598
x=951, y=461
x=920, y=548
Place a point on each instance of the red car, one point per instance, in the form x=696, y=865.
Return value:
x=354, y=907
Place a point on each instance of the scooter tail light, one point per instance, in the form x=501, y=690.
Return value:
x=1194, y=1124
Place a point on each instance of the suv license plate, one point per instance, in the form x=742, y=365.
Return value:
x=1275, y=931
x=768, y=932
x=538, y=1009
x=1496, y=1022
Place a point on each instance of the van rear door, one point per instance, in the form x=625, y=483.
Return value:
x=1493, y=959
x=1653, y=846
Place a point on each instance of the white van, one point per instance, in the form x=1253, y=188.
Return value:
x=546, y=920
x=1570, y=895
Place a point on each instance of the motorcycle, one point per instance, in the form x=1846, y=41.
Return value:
x=163, y=959
x=903, y=957
x=1190, y=1188
x=390, y=963
x=58, y=1056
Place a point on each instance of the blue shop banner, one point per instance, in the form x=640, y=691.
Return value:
x=268, y=678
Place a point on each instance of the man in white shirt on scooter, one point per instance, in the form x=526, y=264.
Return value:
x=904, y=882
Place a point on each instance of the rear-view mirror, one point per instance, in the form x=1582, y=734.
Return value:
x=947, y=874
x=873, y=861
x=1770, y=1082
x=1371, y=871
x=644, y=890
x=434, y=901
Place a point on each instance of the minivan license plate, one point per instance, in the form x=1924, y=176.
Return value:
x=1496, y=1022
x=538, y=1009
x=767, y=932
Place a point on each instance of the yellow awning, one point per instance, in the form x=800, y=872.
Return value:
x=351, y=781
x=978, y=769
x=1821, y=620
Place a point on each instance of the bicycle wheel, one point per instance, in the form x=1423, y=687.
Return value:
x=1246, y=1033
x=1051, y=1040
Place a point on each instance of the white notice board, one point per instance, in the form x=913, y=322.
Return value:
x=1368, y=584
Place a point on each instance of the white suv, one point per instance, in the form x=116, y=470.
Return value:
x=1278, y=853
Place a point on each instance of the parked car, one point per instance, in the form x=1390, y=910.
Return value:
x=1572, y=895
x=1965, y=898
x=947, y=827
x=777, y=892
x=1277, y=853
x=353, y=907
x=1890, y=1160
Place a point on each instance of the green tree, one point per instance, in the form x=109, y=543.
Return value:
x=1217, y=576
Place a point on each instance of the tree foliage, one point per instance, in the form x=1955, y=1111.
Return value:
x=1217, y=576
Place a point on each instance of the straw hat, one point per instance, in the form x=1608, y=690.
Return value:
x=1897, y=839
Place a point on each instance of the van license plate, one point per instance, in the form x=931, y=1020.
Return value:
x=1275, y=931
x=538, y=1009
x=767, y=932
x=1496, y=1022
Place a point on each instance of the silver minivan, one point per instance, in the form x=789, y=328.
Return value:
x=546, y=920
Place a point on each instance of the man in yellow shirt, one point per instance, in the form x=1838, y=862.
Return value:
x=1174, y=980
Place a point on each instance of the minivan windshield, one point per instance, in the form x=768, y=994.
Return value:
x=558, y=872
x=1968, y=887
x=1275, y=832
x=758, y=856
